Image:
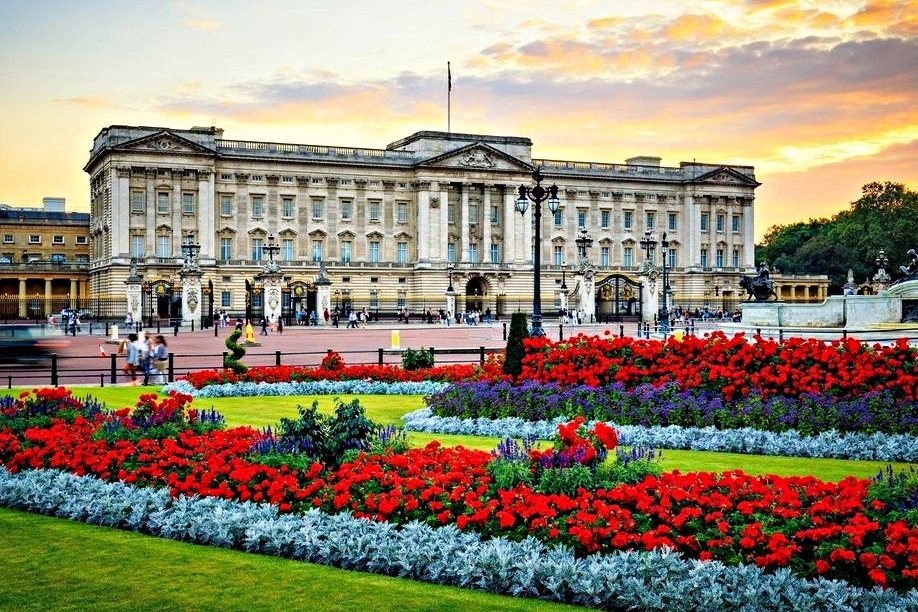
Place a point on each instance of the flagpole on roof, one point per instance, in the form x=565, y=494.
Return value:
x=449, y=91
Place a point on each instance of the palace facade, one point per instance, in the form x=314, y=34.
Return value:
x=393, y=228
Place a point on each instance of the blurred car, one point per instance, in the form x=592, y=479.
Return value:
x=28, y=344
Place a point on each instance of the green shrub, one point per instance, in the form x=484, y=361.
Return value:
x=417, y=359
x=237, y=351
x=513, y=362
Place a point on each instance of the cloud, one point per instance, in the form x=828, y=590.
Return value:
x=201, y=24
x=86, y=102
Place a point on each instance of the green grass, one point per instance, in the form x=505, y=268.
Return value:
x=53, y=564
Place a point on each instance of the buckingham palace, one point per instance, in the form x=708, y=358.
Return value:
x=395, y=228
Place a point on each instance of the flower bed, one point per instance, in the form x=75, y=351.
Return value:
x=732, y=367
x=654, y=580
x=857, y=530
x=667, y=404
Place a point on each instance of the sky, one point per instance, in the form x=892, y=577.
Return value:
x=821, y=97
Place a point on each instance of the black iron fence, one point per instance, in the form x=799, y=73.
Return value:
x=108, y=370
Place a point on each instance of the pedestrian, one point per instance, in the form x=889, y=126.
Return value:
x=160, y=358
x=313, y=319
x=131, y=357
x=239, y=323
x=280, y=325
x=352, y=320
x=488, y=315
x=146, y=363
x=326, y=315
x=298, y=316
x=335, y=318
x=264, y=326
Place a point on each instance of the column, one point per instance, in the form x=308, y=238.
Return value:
x=47, y=300
x=176, y=215
x=508, y=253
x=121, y=206
x=464, y=223
x=207, y=228
x=422, y=231
x=23, y=299
x=486, y=224
x=748, y=233
x=444, y=220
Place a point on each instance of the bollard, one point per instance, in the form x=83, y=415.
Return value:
x=560, y=332
x=380, y=356
x=192, y=325
x=101, y=379
x=481, y=355
x=505, y=332
x=157, y=326
x=53, y=369
x=216, y=329
x=225, y=355
x=172, y=367
x=621, y=331
x=277, y=355
x=114, y=369
x=432, y=356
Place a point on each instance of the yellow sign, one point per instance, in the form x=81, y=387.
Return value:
x=395, y=339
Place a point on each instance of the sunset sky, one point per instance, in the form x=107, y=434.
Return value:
x=821, y=97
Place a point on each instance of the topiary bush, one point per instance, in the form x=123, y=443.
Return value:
x=513, y=361
x=237, y=351
x=323, y=438
x=417, y=359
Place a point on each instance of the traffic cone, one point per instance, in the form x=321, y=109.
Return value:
x=102, y=352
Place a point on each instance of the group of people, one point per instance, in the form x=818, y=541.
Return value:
x=147, y=355
x=572, y=316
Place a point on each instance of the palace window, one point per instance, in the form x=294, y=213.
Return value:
x=673, y=223
x=258, y=207
x=374, y=251
x=82, y=240
x=34, y=239
x=581, y=218
x=162, y=202
x=704, y=258
x=559, y=218
x=720, y=223
x=226, y=299
x=226, y=248
x=287, y=208
x=164, y=246
x=137, y=245
x=346, y=251
x=735, y=221
x=226, y=206
x=258, y=249
x=57, y=240
x=138, y=199
x=287, y=253
x=719, y=258
x=401, y=252
x=451, y=252
x=318, y=209
x=495, y=214
x=187, y=203
x=473, y=213
x=628, y=256
x=604, y=256
x=401, y=212
x=651, y=221
x=347, y=207
x=8, y=239
x=495, y=253
x=317, y=250
x=628, y=220
x=604, y=219
x=374, y=210
x=558, y=254
x=736, y=258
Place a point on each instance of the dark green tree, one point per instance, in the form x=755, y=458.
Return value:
x=513, y=359
x=884, y=217
x=237, y=352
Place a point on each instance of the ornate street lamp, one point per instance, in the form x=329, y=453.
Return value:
x=648, y=244
x=563, y=278
x=537, y=195
x=450, y=291
x=664, y=309
x=190, y=250
x=584, y=241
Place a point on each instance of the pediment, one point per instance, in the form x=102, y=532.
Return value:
x=477, y=156
x=164, y=141
x=726, y=176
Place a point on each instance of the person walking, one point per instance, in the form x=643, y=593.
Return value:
x=159, y=355
x=131, y=357
x=146, y=362
x=264, y=326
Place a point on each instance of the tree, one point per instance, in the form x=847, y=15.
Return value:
x=884, y=217
x=513, y=359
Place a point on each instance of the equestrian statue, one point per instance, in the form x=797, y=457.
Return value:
x=759, y=287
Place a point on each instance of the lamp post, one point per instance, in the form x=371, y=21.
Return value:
x=271, y=249
x=648, y=244
x=190, y=249
x=450, y=293
x=537, y=195
x=584, y=241
x=337, y=302
x=664, y=308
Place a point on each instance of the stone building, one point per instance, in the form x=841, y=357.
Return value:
x=44, y=260
x=392, y=227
